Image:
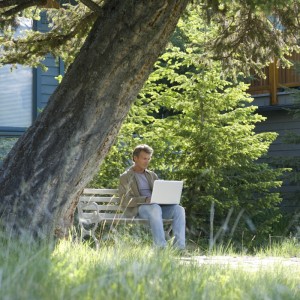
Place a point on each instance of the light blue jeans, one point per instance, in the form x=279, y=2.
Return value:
x=155, y=213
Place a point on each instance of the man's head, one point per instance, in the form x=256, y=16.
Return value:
x=141, y=156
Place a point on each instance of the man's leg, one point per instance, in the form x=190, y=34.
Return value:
x=177, y=213
x=153, y=213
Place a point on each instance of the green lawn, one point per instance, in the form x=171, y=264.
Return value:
x=128, y=270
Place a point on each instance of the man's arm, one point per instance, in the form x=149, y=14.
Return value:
x=128, y=192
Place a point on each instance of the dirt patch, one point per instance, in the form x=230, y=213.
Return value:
x=247, y=262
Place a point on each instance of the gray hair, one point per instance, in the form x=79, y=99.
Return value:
x=138, y=149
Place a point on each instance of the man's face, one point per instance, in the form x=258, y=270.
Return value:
x=142, y=161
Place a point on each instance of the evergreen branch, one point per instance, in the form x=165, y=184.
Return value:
x=92, y=6
x=20, y=7
x=39, y=46
x=8, y=3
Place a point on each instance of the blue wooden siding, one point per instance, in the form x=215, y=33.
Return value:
x=282, y=121
x=45, y=82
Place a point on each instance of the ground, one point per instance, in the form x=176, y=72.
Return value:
x=250, y=262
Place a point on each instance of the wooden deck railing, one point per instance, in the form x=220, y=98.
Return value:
x=276, y=79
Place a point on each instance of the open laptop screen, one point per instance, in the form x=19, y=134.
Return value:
x=166, y=191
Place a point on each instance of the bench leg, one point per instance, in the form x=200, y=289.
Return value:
x=168, y=232
x=90, y=233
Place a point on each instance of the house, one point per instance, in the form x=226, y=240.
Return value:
x=24, y=92
x=276, y=97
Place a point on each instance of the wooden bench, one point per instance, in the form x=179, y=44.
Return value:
x=100, y=207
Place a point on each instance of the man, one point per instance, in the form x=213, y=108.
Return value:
x=135, y=190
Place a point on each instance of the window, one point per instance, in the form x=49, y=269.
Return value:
x=15, y=97
x=16, y=92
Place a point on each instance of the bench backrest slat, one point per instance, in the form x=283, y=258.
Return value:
x=100, y=192
x=104, y=201
x=92, y=207
x=112, y=200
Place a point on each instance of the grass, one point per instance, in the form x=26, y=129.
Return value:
x=287, y=247
x=126, y=269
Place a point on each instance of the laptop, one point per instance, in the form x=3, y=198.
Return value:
x=166, y=192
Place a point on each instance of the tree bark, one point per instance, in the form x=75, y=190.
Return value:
x=49, y=166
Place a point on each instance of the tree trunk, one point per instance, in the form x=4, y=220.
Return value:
x=46, y=171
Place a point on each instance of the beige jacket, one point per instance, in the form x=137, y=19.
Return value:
x=129, y=191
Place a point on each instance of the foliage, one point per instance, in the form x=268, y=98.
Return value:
x=68, y=29
x=251, y=33
x=202, y=129
x=246, y=33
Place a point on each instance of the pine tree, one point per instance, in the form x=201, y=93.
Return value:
x=206, y=138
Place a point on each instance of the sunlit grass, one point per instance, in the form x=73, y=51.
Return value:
x=287, y=247
x=125, y=269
